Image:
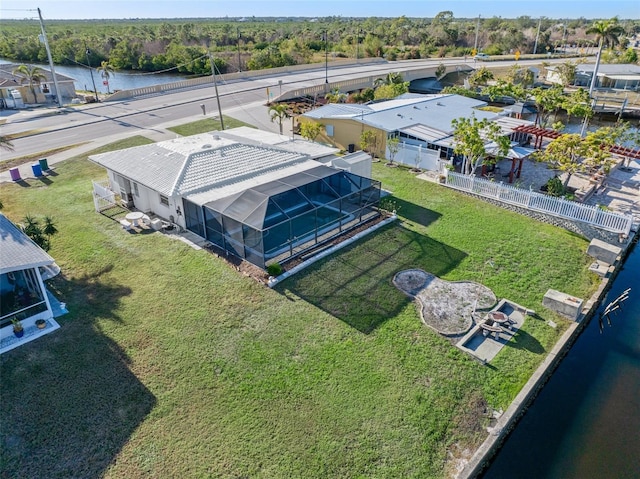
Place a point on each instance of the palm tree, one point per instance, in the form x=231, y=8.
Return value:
x=32, y=75
x=106, y=70
x=279, y=113
x=392, y=78
x=606, y=31
x=335, y=96
x=41, y=235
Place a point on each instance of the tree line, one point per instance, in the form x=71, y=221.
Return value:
x=182, y=45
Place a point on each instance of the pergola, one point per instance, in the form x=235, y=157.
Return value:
x=539, y=133
x=626, y=152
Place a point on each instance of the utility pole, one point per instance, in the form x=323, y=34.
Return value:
x=43, y=39
x=239, y=64
x=326, y=58
x=88, y=52
x=475, y=44
x=215, y=85
x=535, y=46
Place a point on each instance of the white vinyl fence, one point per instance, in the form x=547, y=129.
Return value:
x=415, y=156
x=103, y=197
x=559, y=207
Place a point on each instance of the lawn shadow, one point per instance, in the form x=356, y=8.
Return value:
x=70, y=400
x=355, y=284
x=416, y=213
x=22, y=182
x=43, y=179
x=523, y=340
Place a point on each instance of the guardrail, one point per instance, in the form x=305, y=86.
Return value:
x=559, y=207
x=227, y=77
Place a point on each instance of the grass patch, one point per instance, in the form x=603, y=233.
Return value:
x=205, y=125
x=171, y=364
x=21, y=160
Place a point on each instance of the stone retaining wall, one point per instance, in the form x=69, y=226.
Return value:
x=508, y=421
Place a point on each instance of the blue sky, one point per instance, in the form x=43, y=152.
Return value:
x=95, y=9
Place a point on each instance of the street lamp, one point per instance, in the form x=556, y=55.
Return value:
x=95, y=91
x=326, y=59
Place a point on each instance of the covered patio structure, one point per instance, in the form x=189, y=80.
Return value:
x=516, y=154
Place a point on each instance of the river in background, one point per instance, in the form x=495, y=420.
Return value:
x=585, y=423
x=117, y=81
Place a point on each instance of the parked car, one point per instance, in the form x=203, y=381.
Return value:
x=481, y=56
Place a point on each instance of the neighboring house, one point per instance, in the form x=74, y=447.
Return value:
x=421, y=122
x=14, y=94
x=23, y=294
x=257, y=195
x=615, y=76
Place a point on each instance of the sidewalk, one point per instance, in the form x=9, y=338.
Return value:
x=158, y=133
x=26, y=114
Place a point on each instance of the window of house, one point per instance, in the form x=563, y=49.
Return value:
x=329, y=130
x=164, y=200
x=135, y=189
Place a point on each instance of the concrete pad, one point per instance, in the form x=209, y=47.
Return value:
x=562, y=303
x=603, y=251
x=600, y=268
x=485, y=348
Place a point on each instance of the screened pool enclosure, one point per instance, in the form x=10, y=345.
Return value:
x=282, y=218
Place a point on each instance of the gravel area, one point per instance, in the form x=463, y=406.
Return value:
x=446, y=306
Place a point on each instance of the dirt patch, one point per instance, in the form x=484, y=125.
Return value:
x=446, y=306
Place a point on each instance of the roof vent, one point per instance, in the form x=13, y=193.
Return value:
x=415, y=107
x=401, y=116
x=439, y=104
x=216, y=137
x=206, y=147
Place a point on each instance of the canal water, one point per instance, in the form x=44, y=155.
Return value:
x=585, y=423
x=117, y=81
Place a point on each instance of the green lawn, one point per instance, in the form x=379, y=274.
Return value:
x=171, y=364
x=206, y=125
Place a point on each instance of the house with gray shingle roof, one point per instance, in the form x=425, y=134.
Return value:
x=257, y=195
x=23, y=296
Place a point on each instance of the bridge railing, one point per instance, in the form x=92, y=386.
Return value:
x=227, y=77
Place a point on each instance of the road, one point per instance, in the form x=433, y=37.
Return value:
x=242, y=99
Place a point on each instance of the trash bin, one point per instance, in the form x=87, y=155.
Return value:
x=37, y=171
x=15, y=174
x=44, y=165
x=352, y=147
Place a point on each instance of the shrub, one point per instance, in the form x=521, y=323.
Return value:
x=274, y=269
x=555, y=187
